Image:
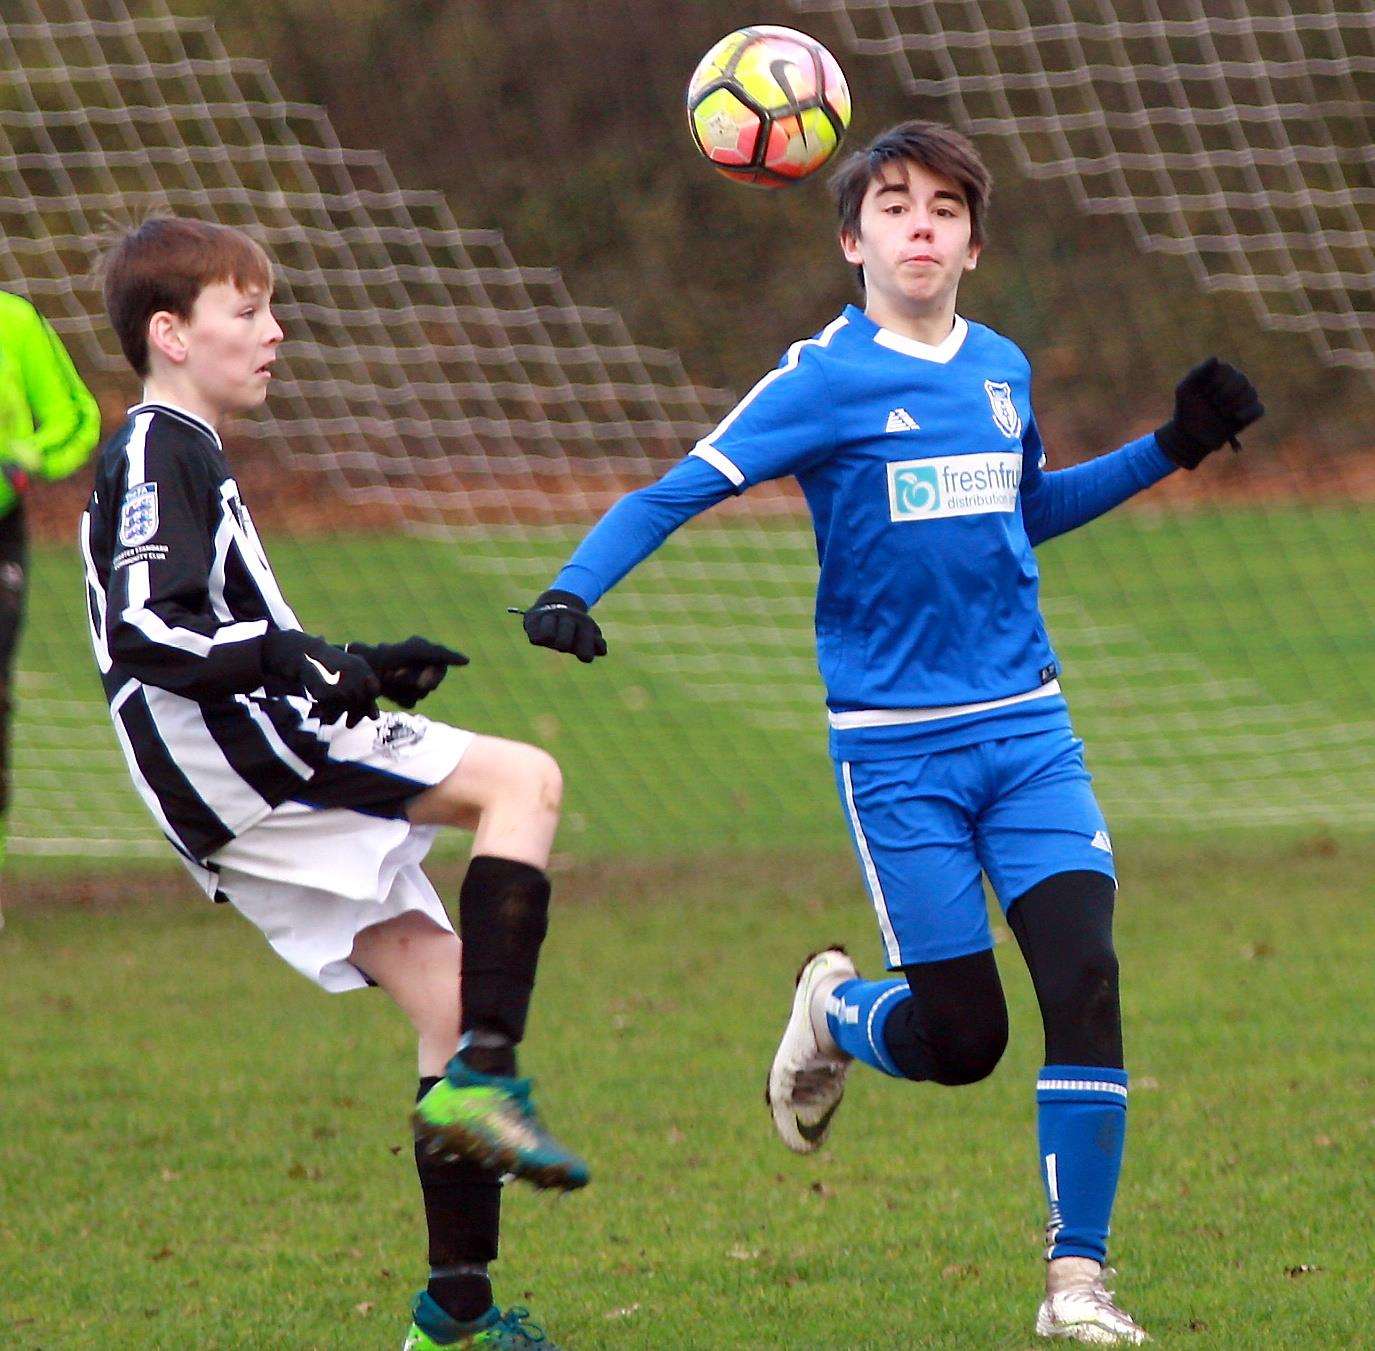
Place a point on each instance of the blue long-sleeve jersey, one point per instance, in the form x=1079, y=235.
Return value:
x=925, y=475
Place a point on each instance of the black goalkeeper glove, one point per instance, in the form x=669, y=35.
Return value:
x=340, y=684
x=559, y=619
x=1212, y=405
x=408, y=671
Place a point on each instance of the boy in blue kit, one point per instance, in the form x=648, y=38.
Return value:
x=911, y=432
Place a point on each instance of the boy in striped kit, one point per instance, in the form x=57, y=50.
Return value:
x=262, y=754
x=910, y=431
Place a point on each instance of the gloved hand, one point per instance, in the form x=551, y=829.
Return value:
x=1212, y=404
x=339, y=683
x=559, y=619
x=408, y=671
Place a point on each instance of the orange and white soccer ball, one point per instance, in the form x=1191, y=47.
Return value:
x=768, y=105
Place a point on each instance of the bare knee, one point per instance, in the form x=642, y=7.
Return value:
x=504, y=777
x=547, y=779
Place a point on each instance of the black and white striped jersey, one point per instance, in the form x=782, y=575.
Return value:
x=180, y=595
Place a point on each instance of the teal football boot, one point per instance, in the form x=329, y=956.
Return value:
x=432, y=1328
x=490, y=1120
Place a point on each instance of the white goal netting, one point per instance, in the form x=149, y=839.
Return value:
x=1235, y=135
x=431, y=385
x=447, y=421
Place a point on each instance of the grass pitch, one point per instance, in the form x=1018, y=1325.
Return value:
x=1220, y=666
x=199, y=1149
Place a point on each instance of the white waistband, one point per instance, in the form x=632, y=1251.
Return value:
x=898, y=717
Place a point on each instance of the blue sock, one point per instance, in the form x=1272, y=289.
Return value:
x=1081, y=1115
x=856, y=1013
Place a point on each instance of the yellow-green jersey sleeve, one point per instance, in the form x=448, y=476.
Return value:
x=49, y=421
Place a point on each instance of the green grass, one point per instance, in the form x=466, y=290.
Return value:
x=1220, y=666
x=199, y=1149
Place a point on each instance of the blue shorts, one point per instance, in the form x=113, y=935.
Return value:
x=925, y=826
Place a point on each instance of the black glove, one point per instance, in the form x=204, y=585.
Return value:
x=408, y=671
x=339, y=684
x=559, y=619
x=1212, y=404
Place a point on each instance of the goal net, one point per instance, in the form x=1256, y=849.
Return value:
x=1222, y=151
x=1234, y=136
x=446, y=422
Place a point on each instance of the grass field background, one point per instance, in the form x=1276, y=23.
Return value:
x=1220, y=666
x=198, y=1149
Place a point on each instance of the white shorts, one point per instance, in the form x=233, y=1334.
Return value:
x=319, y=869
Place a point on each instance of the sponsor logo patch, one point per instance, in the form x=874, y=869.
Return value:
x=954, y=485
x=138, y=516
x=1005, y=415
x=140, y=553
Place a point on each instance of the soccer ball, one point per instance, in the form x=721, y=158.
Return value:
x=768, y=106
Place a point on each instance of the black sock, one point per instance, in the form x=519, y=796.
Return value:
x=503, y=915
x=463, y=1215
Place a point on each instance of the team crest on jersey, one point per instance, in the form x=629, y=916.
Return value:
x=138, y=516
x=1005, y=413
x=397, y=731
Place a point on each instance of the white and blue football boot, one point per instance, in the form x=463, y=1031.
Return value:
x=807, y=1077
x=1079, y=1307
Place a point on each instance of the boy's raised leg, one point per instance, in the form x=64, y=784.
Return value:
x=481, y=1111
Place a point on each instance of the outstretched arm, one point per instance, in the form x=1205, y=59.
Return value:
x=780, y=427
x=1055, y=503
x=1214, y=403
x=637, y=525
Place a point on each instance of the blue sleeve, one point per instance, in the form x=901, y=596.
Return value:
x=637, y=525
x=782, y=426
x=1054, y=503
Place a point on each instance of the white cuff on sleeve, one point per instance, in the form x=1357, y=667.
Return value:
x=719, y=462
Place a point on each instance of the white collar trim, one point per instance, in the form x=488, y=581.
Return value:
x=177, y=411
x=941, y=353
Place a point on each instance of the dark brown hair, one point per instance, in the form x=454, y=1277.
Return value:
x=164, y=265
x=937, y=148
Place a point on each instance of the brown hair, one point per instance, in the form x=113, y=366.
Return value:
x=937, y=148
x=164, y=265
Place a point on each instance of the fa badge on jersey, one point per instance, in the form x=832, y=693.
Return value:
x=138, y=517
x=1005, y=413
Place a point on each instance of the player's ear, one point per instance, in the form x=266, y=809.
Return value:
x=165, y=336
x=972, y=258
x=849, y=246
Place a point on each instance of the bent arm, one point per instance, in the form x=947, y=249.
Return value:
x=67, y=420
x=637, y=525
x=162, y=626
x=1058, y=502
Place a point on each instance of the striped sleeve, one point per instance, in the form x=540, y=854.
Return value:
x=782, y=426
x=161, y=625
x=637, y=525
